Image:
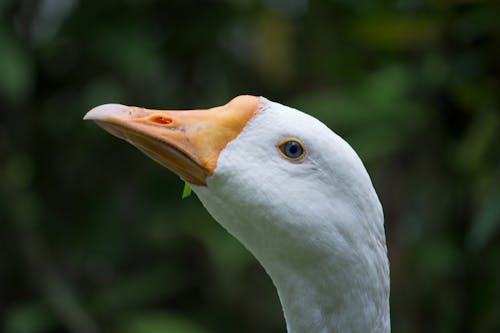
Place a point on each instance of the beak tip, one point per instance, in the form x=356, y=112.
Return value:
x=103, y=112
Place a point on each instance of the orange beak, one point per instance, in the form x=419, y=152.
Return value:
x=186, y=142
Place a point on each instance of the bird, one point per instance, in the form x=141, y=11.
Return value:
x=291, y=190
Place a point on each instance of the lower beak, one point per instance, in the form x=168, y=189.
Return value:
x=186, y=142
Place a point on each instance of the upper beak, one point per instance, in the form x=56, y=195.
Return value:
x=186, y=142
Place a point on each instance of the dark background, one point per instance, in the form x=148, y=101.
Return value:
x=94, y=236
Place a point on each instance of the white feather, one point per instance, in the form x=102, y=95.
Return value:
x=316, y=225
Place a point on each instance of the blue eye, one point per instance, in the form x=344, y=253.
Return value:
x=292, y=149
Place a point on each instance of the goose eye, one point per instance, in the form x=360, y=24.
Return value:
x=292, y=149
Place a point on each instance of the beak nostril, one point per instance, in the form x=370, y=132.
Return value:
x=161, y=120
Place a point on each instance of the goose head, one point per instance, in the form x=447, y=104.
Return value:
x=293, y=192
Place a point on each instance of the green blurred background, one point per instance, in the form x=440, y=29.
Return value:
x=94, y=236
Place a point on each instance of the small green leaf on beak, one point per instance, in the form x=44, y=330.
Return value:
x=186, y=192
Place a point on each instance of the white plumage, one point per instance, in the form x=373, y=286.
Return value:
x=315, y=224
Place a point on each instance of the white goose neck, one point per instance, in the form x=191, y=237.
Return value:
x=324, y=284
x=329, y=295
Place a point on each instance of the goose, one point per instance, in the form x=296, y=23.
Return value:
x=293, y=192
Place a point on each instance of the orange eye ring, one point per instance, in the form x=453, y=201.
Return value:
x=292, y=149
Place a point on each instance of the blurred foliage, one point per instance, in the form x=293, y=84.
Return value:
x=94, y=236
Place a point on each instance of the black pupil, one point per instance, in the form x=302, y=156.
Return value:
x=293, y=149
